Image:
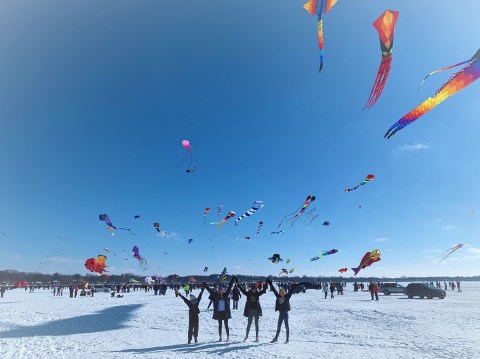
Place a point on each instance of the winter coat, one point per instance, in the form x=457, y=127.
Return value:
x=283, y=304
x=253, y=300
x=236, y=294
x=215, y=297
x=193, y=311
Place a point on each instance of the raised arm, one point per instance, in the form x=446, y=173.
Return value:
x=264, y=290
x=200, y=296
x=230, y=286
x=209, y=290
x=272, y=288
x=187, y=302
x=239, y=286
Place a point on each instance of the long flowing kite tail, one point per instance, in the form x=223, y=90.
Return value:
x=356, y=270
x=380, y=80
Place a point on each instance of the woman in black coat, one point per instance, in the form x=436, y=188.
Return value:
x=253, y=308
x=221, y=307
x=236, y=297
x=193, y=313
x=282, y=306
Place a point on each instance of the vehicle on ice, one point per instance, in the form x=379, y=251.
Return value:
x=423, y=290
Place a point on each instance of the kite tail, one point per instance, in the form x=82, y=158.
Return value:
x=320, y=43
x=380, y=81
x=356, y=270
x=442, y=69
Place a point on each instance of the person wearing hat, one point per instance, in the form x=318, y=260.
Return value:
x=221, y=307
x=282, y=306
x=253, y=308
x=193, y=313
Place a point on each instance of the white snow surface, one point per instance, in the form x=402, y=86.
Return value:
x=141, y=325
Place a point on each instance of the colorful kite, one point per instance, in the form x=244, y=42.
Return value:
x=461, y=79
x=275, y=258
x=292, y=270
x=288, y=260
x=106, y=219
x=227, y=217
x=97, y=265
x=142, y=262
x=279, y=232
x=205, y=214
x=343, y=270
x=319, y=7
x=260, y=225
x=323, y=254
x=284, y=271
x=219, y=209
x=299, y=211
x=255, y=207
x=369, y=178
x=188, y=154
x=385, y=26
x=450, y=251
x=368, y=259
x=155, y=225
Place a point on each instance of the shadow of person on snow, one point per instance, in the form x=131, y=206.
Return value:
x=217, y=348
x=102, y=321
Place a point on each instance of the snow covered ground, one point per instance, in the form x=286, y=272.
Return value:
x=141, y=325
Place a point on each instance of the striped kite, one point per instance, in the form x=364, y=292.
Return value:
x=461, y=79
x=323, y=254
x=255, y=207
x=319, y=7
x=299, y=211
x=367, y=179
x=385, y=26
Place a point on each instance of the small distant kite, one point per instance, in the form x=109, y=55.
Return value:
x=459, y=80
x=343, y=270
x=260, y=225
x=275, y=258
x=367, y=179
x=385, y=26
x=156, y=225
x=471, y=213
x=288, y=260
x=191, y=170
x=449, y=251
x=190, y=240
x=106, y=219
x=205, y=214
x=292, y=270
x=368, y=259
x=219, y=209
x=142, y=262
x=279, y=232
x=255, y=207
x=323, y=254
x=318, y=8
x=188, y=154
x=326, y=223
x=205, y=269
x=284, y=271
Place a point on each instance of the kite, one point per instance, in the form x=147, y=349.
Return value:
x=107, y=250
x=111, y=227
x=219, y=209
x=284, y=271
x=205, y=214
x=190, y=240
x=275, y=258
x=260, y=225
x=457, y=82
x=96, y=265
x=227, y=217
x=141, y=261
x=279, y=232
x=343, y=270
x=288, y=260
x=368, y=259
x=191, y=170
x=385, y=26
x=319, y=7
x=450, y=251
x=299, y=211
x=246, y=238
x=323, y=254
x=326, y=223
x=255, y=207
x=205, y=269
x=292, y=270
x=367, y=179
x=188, y=154
x=155, y=225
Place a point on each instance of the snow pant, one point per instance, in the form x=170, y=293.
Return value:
x=235, y=304
x=326, y=293
x=372, y=294
x=252, y=313
x=220, y=327
x=282, y=317
x=376, y=295
x=192, y=328
x=331, y=295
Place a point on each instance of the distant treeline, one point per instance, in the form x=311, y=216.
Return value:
x=13, y=276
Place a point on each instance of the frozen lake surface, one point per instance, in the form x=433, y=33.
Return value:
x=141, y=325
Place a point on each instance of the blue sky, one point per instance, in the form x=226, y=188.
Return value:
x=96, y=97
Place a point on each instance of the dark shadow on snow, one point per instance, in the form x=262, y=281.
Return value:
x=102, y=321
x=216, y=348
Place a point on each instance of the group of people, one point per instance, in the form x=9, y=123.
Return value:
x=451, y=285
x=253, y=310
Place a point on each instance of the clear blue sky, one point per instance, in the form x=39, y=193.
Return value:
x=95, y=98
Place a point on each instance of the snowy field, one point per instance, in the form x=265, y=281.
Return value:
x=141, y=325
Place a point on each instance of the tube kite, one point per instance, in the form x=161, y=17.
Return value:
x=318, y=8
x=299, y=211
x=260, y=225
x=368, y=259
x=205, y=214
x=323, y=254
x=227, y=217
x=255, y=207
x=385, y=26
x=219, y=209
x=450, y=251
x=367, y=179
x=279, y=232
x=461, y=79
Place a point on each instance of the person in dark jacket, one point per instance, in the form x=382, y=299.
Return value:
x=282, y=306
x=253, y=308
x=2, y=291
x=193, y=313
x=236, y=297
x=221, y=309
